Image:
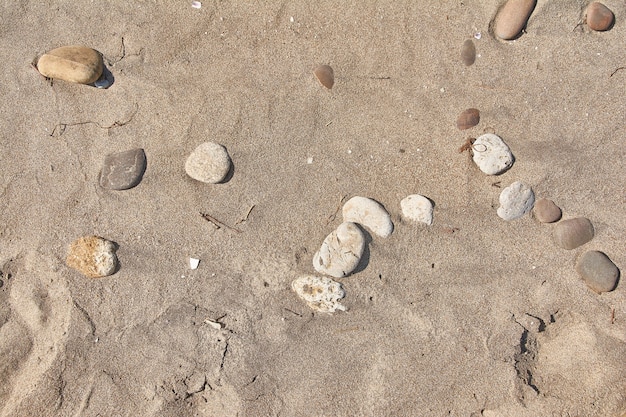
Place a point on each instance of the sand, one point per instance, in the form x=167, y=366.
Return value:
x=472, y=316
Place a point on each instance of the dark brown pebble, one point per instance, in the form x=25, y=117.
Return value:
x=599, y=17
x=468, y=118
x=325, y=75
x=468, y=52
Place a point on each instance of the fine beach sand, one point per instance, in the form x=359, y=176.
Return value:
x=472, y=316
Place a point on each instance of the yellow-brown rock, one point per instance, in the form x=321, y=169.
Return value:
x=512, y=18
x=77, y=64
x=93, y=256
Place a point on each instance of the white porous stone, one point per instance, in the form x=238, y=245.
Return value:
x=491, y=154
x=320, y=293
x=516, y=200
x=341, y=251
x=417, y=208
x=369, y=213
x=209, y=163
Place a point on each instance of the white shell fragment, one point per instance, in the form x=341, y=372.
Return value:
x=491, y=154
x=516, y=200
x=369, y=213
x=320, y=293
x=208, y=163
x=341, y=251
x=417, y=208
x=193, y=263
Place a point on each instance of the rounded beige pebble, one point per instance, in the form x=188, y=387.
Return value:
x=599, y=17
x=512, y=18
x=369, y=213
x=320, y=293
x=341, y=251
x=77, y=64
x=572, y=233
x=598, y=271
x=546, y=211
x=93, y=256
x=209, y=163
x=417, y=208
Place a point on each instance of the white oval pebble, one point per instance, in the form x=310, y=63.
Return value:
x=516, y=200
x=417, y=208
x=341, y=251
x=491, y=154
x=320, y=293
x=209, y=163
x=368, y=213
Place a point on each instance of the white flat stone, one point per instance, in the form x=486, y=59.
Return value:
x=209, y=163
x=417, y=208
x=516, y=200
x=491, y=154
x=320, y=293
x=341, y=251
x=369, y=213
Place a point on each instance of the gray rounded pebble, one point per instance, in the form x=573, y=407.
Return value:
x=103, y=82
x=546, y=211
x=123, y=170
x=598, y=271
x=572, y=233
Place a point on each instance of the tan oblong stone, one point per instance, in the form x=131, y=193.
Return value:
x=325, y=75
x=599, y=17
x=77, y=64
x=572, y=233
x=467, y=119
x=468, y=52
x=93, y=256
x=512, y=17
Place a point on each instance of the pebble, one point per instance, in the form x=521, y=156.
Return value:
x=572, y=233
x=599, y=17
x=93, y=256
x=516, y=200
x=77, y=64
x=468, y=52
x=417, y=208
x=468, y=118
x=512, y=17
x=325, y=75
x=546, y=211
x=341, y=251
x=208, y=163
x=123, y=170
x=598, y=271
x=320, y=293
x=368, y=213
x=491, y=154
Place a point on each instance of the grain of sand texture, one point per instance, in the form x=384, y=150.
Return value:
x=472, y=316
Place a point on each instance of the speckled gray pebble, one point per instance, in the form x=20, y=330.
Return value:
x=123, y=170
x=598, y=271
x=546, y=211
x=572, y=233
x=209, y=163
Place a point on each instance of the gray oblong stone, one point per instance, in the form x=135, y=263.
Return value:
x=598, y=271
x=123, y=170
x=572, y=233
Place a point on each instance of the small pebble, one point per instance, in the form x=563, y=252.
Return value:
x=325, y=75
x=468, y=52
x=572, y=233
x=491, y=154
x=341, y=251
x=417, y=208
x=368, y=213
x=123, y=170
x=546, y=211
x=516, y=200
x=512, y=17
x=599, y=17
x=320, y=293
x=93, y=256
x=77, y=64
x=208, y=163
x=467, y=119
x=598, y=271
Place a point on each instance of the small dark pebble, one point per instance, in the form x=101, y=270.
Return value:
x=123, y=170
x=468, y=52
